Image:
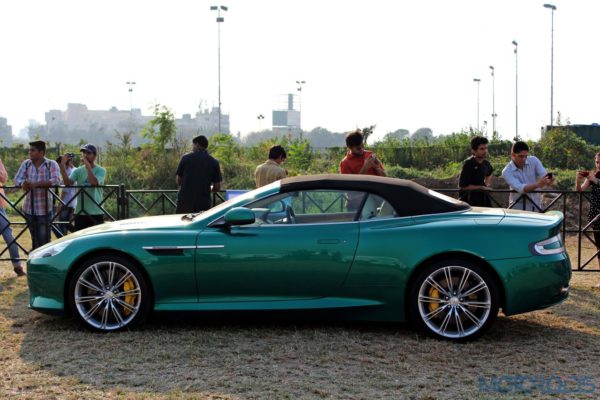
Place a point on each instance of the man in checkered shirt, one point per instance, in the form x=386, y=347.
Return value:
x=35, y=176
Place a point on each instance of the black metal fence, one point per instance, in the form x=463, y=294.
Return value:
x=119, y=203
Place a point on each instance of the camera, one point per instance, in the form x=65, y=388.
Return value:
x=71, y=155
x=550, y=175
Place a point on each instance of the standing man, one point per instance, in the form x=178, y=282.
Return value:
x=68, y=196
x=7, y=235
x=271, y=170
x=524, y=174
x=35, y=176
x=87, y=213
x=357, y=159
x=476, y=175
x=196, y=172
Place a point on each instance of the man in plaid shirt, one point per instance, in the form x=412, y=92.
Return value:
x=35, y=176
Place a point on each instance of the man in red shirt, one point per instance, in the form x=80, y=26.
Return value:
x=358, y=160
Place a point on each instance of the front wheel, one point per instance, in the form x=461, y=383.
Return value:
x=454, y=300
x=109, y=293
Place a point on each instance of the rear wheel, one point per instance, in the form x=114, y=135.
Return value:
x=454, y=300
x=109, y=293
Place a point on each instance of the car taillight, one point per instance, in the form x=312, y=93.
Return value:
x=553, y=245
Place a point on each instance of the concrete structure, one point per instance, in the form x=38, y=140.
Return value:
x=77, y=123
x=5, y=133
x=287, y=121
x=205, y=122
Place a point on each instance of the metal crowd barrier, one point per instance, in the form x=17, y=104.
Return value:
x=119, y=203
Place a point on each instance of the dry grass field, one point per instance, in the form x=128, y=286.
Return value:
x=44, y=357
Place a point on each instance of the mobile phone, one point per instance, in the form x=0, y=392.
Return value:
x=585, y=174
x=550, y=175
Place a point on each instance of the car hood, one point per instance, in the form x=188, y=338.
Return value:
x=143, y=223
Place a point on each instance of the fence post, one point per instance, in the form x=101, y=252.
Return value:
x=579, y=267
x=122, y=203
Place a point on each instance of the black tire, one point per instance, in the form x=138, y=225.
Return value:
x=109, y=293
x=461, y=310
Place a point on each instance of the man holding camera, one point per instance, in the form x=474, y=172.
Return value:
x=88, y=212
x=68, y=198
x=524, y=174
x=357, y=159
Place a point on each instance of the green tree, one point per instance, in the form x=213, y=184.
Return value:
x=158, y=159
x=222, y=146
x=299, y=156
x=562, y=148
x=368, y=131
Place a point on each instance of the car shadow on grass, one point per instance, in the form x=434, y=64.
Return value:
x=261, y=355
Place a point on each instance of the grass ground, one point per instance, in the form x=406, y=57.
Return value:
x=45, y=357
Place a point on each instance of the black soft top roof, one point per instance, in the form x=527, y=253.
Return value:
x=407, y=197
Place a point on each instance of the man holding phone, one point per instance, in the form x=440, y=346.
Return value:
x=87, y=213
x=357, y=159
x=525, y=174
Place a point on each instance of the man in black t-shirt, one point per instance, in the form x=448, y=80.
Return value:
x=196, y=172
x=476, y=175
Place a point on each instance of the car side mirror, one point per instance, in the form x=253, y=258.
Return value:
x=239, y=216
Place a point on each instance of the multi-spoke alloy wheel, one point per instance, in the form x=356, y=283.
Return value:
x=454, y=300
x=109, y=293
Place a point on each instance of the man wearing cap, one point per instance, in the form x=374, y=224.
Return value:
x=87, y=213
x=35, y=176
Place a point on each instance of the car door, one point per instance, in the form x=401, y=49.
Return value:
x=386, y=242
x=301, y=246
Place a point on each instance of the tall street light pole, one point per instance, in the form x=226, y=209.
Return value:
x=300, y=84
x=514, y=42
x=552, y=8
x=260, y=117
x=478, y=81
x=130, y=90
x=219, y=20
x=493, y=102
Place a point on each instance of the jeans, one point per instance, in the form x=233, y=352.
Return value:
x=39, y=228
x=13, y=248
x=64, y=216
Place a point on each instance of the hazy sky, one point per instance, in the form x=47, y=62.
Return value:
x=397, y=64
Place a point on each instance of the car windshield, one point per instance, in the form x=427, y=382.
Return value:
x=239, y=200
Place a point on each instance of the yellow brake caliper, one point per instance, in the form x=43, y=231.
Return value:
x=434, y=293
x=130, y=298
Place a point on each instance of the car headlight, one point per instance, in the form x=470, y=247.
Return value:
x=49, y=251
x=554, y=245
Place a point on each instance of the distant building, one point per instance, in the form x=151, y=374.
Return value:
x=287, y=121
x=206, y=122
x=98, y=126
x=5, y=133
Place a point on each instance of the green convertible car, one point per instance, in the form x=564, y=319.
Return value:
x=355, y=246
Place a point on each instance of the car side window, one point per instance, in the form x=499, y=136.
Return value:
x=309, y=207
x=376, y=207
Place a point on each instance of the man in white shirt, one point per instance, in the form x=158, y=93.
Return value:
x=524, y=174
